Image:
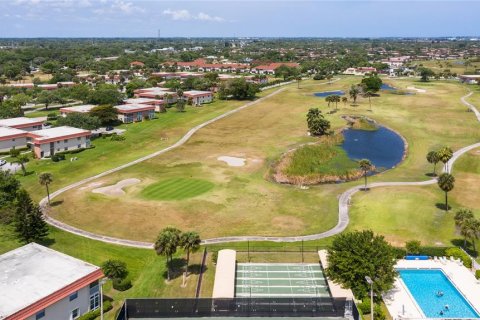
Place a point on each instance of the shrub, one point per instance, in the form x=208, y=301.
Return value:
x=58, y=157
x=122, y=284
x=457, y=253
x=378, y=313
x=215, y=257
x=115, y=269
x=318, y=76
x=51, y=116
x=413, y=247
x=116, y=137
x=364, y=306
x=477, y=274
x=92, y=315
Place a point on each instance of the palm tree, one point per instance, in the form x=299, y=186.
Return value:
x=471, y=229
x=329, y=100
x=446, y=182
x=433, y=157
x=366, y=166
x=461, y=216
x=369, y=95
x=344, y=100
x=299, y=78
x=354, y=92
x=21, y=159
x=329, y=78
x=336, y=100
x=445, y=154
x=45, y=179
x=166, y=245
x=190, y=242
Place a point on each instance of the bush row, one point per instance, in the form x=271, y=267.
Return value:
x=92, y=315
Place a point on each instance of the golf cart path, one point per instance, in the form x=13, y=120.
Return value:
x=343, y=202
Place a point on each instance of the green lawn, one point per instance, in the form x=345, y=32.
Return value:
x=176, y=189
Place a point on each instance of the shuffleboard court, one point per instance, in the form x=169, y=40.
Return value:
x=280, y=280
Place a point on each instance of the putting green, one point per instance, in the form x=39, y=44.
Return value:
x=176, y=189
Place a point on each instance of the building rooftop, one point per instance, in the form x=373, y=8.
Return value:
x=134, y=107
x=7, y=131
x=142, y=100
x=33, y=272
x=196, y=92
x=82, y=109
x=20, y=121
x=58, y=132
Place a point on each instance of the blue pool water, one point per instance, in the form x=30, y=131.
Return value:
x=329, y=93
x=424, y=285
x=383, y=147
x=387, y=87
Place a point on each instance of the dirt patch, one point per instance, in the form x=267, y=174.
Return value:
x=232, y=161
x=116, y=189
x=288, y=223
x=417, y=89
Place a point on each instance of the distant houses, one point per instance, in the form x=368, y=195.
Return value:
x=469, y=79
x=361, y=71
x=49, y=87
x=128, y=113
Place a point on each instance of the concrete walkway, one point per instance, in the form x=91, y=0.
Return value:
x=343, y=202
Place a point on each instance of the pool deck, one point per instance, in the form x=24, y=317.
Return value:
x=401, y=304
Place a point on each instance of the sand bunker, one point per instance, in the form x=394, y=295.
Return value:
x=232, y=161
x=92, y=185
x=116, y=189
x=416, y=89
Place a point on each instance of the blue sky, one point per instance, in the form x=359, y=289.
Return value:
x=138, y=18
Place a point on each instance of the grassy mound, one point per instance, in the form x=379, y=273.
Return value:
x=176, y=189
x=323, y=162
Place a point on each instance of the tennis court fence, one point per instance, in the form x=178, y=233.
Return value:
x=238, y=307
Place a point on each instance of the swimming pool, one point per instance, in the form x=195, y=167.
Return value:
x=329, y=93
x=433, y=292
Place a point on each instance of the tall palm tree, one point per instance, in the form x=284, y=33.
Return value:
x=336, y=100
x=461, y=216
x=329, y=100
x=369, y=95
x=190, y=242
x=445, y=154
x=354, y=92
x=21, y=159
x=471, y=229
x=45, y=179
x=366, y=166
x=298, y=78
x=433, y=157
x=166, y=245
x=446, y=182
x=344, y=100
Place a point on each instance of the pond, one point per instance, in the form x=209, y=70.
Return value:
x=387, y=87
x=329, y=93
x=383, y=147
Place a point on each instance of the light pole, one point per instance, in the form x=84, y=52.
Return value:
x=101, y=283
x=370, y=282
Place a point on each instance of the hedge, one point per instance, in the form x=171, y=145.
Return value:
x=477, y=274
x=121, y=284
x=92, y=315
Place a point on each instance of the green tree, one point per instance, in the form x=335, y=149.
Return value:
x=425, y=74
x=471, y=229
x=413, y=247
x=369, y=95
x=238, y=89
x=372, y=83
x=460, y=218
x=446, y=182
x=354, y=92
x=45, y=179
x=445, y=154
x=79, y=120
x=336, y=99
x=366, y=166
x=46, y=97
x=433, y=157
x=328, y=99
x=166, y=245
x=22, y=159
x=9, y=187
x=28, y=220
x=190, y=242
x=115, y=269
x=355, y=255
x=105, y=94
x=345, y=101
x=107, y=114
x=134, y=85
x=286, y=72
x=317, y=124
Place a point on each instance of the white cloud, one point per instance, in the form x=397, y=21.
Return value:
x=185, y=15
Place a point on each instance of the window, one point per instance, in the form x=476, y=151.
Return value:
x=73, y=296
x=66, y=148
x=75, y=314
x=40, y=314
x=13, y=139
x=65, y=141
x=94, y=301
x=58, y=142
x=78, y=139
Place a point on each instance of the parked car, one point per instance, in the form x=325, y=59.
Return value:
x=109, y=128
x=2, y=162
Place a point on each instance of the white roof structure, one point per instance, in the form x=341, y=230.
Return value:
x=7, y=131
x=20, y=121
x=58, y=132
x=133, y=107
x=224, y=285
x=81, y=109
x=33, y=272
x=157, y=91
x=196, y=93
x=142, y=100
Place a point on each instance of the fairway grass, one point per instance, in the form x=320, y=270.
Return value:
x=245, y=202
x=176, y=189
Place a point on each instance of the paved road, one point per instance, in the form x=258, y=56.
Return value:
x=343, y=202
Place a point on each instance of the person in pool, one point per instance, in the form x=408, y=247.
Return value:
x=439, y=293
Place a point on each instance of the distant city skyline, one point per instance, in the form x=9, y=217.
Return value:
x=138, y=18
